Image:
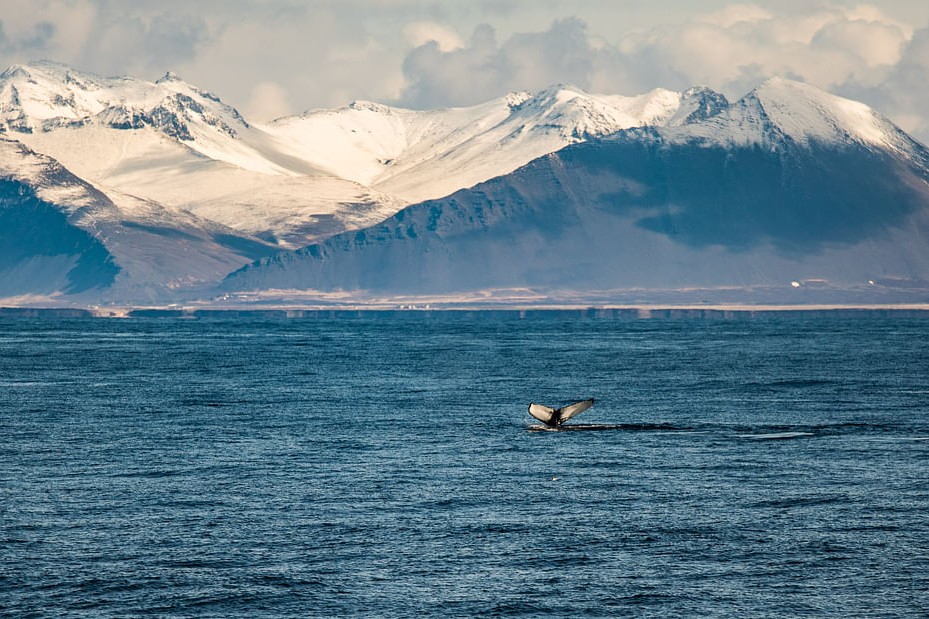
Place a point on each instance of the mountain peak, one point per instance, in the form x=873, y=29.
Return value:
x=169, y=76
x=558, y=93
x=15, y=71
x=46, y=96
x=782, y=108
x=779, y=88
x=786, y=168
x=806, y=113
x=698, y=103
x=369, y=106
x=515, y=99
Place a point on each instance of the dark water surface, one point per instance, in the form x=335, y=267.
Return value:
x=383, y=467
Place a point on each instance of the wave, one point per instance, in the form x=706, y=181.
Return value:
x=775, y=436
x=594, y=427
x=754, y=432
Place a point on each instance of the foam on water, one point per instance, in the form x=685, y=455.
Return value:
x=775, y=435
x=595, y=427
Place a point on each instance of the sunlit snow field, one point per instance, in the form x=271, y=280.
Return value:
x=382, y=466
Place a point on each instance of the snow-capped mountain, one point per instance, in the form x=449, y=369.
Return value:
x=47, y=96
x=42, y=250
x=298, y=179
x=782, y=109
x=166, y=155
x=169, y=143
x=418, y=155
x=787, y=192
x=60, y=234
x=122, y=190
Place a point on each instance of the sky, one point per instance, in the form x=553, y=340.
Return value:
x=271, y=58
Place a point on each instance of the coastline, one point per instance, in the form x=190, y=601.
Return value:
x=607, y=312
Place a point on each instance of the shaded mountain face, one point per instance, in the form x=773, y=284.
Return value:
x=41, y=252
x=660, y=191
x=61, y=235
x=787, y=184
x=301, y=178
x=800, y=200
x=181, y=189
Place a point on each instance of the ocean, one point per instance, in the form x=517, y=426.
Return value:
x=385, y=465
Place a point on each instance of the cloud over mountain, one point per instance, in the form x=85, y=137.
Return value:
x=285, y=56
x=858, y=51
x=484, y=68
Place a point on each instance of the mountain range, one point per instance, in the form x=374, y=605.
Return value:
x=122, y=191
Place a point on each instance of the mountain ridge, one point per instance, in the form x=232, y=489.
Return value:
x=182, y=190
x=219, y=165
x=743, y=198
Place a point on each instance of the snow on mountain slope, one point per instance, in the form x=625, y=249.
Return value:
x=289, y=209
x=44, y=97
x=781, y=108
x=422, y=154
x=163, y=252
x=788, y=184
x=62, y=234
x=180, y=189
x=49, y=180
x=170, y=143
x=43, y=250
x=299, y=179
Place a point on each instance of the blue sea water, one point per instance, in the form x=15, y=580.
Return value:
x=358, y=465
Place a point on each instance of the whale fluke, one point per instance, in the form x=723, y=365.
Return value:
x=554, y=417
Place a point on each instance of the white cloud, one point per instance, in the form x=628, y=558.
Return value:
x=284, y=56
x=857, y=50
x=869, y=13
x=484, y=69
x=825, y=48
x=269, y=100
x=736, y=14
x=874, y=43
x=422, y=32
x=903, y=91
x=46, y=28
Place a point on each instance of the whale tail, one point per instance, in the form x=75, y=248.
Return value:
x=554, y=417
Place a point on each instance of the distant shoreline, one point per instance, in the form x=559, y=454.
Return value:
x=623, y=312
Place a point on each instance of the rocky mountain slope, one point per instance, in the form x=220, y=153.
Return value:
x=120, y=190
x=176, y=162
x=788, y=193
x=61, y=235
